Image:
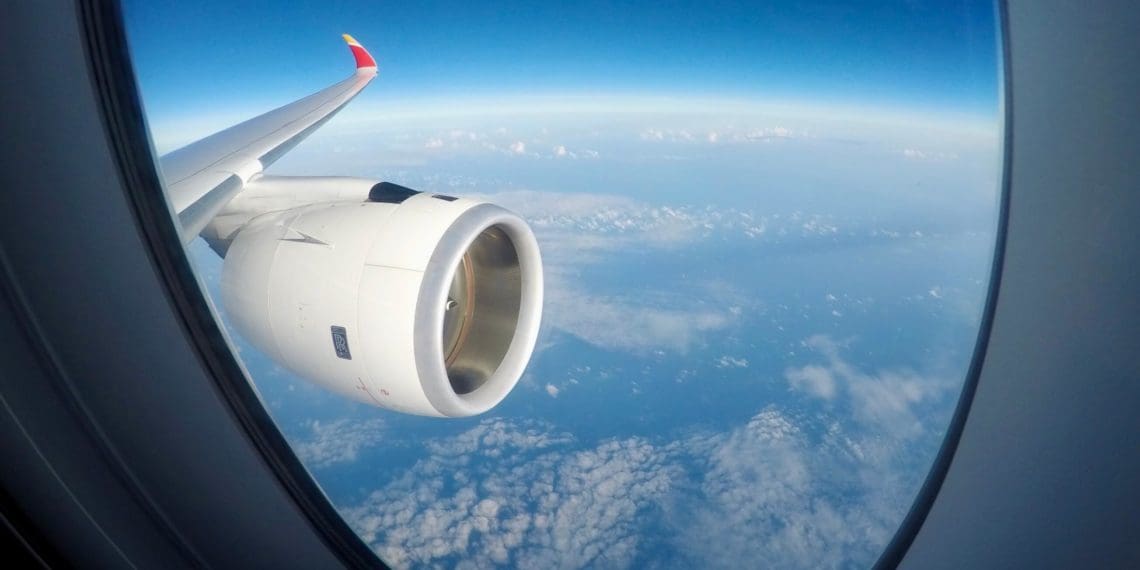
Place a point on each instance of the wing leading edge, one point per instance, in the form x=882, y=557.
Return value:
x=202, y=177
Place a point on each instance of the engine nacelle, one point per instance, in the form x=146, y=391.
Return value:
x=427, y=305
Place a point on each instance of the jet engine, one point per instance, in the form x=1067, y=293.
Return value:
x=420, y=303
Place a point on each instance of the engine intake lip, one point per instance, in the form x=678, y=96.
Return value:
x=502, y=255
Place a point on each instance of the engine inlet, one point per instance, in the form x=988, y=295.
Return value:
x=482, y=311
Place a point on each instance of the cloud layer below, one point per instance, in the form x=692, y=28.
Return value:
x=786, y=489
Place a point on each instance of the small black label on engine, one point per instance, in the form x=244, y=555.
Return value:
x=340, y=342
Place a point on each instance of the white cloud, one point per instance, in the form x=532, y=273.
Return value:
x=576, y=227
x=552, y=390
x=339, y=441
x=518, y=147
x=625, y=324
x=731, y=362
x=667, y=135
x=780, y=132
x=492, y=437
x=723, y=134
x=581, y=224
x=560, y=151
x=652, y=135
x=915, y=154
x=434, y=142
x=815, y=380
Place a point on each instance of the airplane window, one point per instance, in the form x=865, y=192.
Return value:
x=758, y=239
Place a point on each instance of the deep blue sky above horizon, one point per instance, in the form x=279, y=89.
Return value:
x=912, y=55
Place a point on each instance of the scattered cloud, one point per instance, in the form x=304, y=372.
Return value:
x=518, y=147
x=580, y=224
x=729, y=134
x=731, y=362
x=561, y=151
x=667, y=135
x=552, y=390
x=434, y=142
x=915, y=154
x=492, y=437
x=340, y=441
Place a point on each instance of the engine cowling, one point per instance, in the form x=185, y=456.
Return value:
x=427, y=305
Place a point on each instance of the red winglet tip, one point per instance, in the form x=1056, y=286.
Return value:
x=364, y=59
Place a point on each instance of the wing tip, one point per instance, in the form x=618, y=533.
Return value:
x=364, y=60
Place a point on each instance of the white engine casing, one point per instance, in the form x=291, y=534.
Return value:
x=354, y=296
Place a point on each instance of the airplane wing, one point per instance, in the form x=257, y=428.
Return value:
x=202, y=177
x=310, y=275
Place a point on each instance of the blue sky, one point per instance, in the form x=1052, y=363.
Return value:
x=914, y=55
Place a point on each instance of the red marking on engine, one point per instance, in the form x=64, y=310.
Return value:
x=360, y=386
